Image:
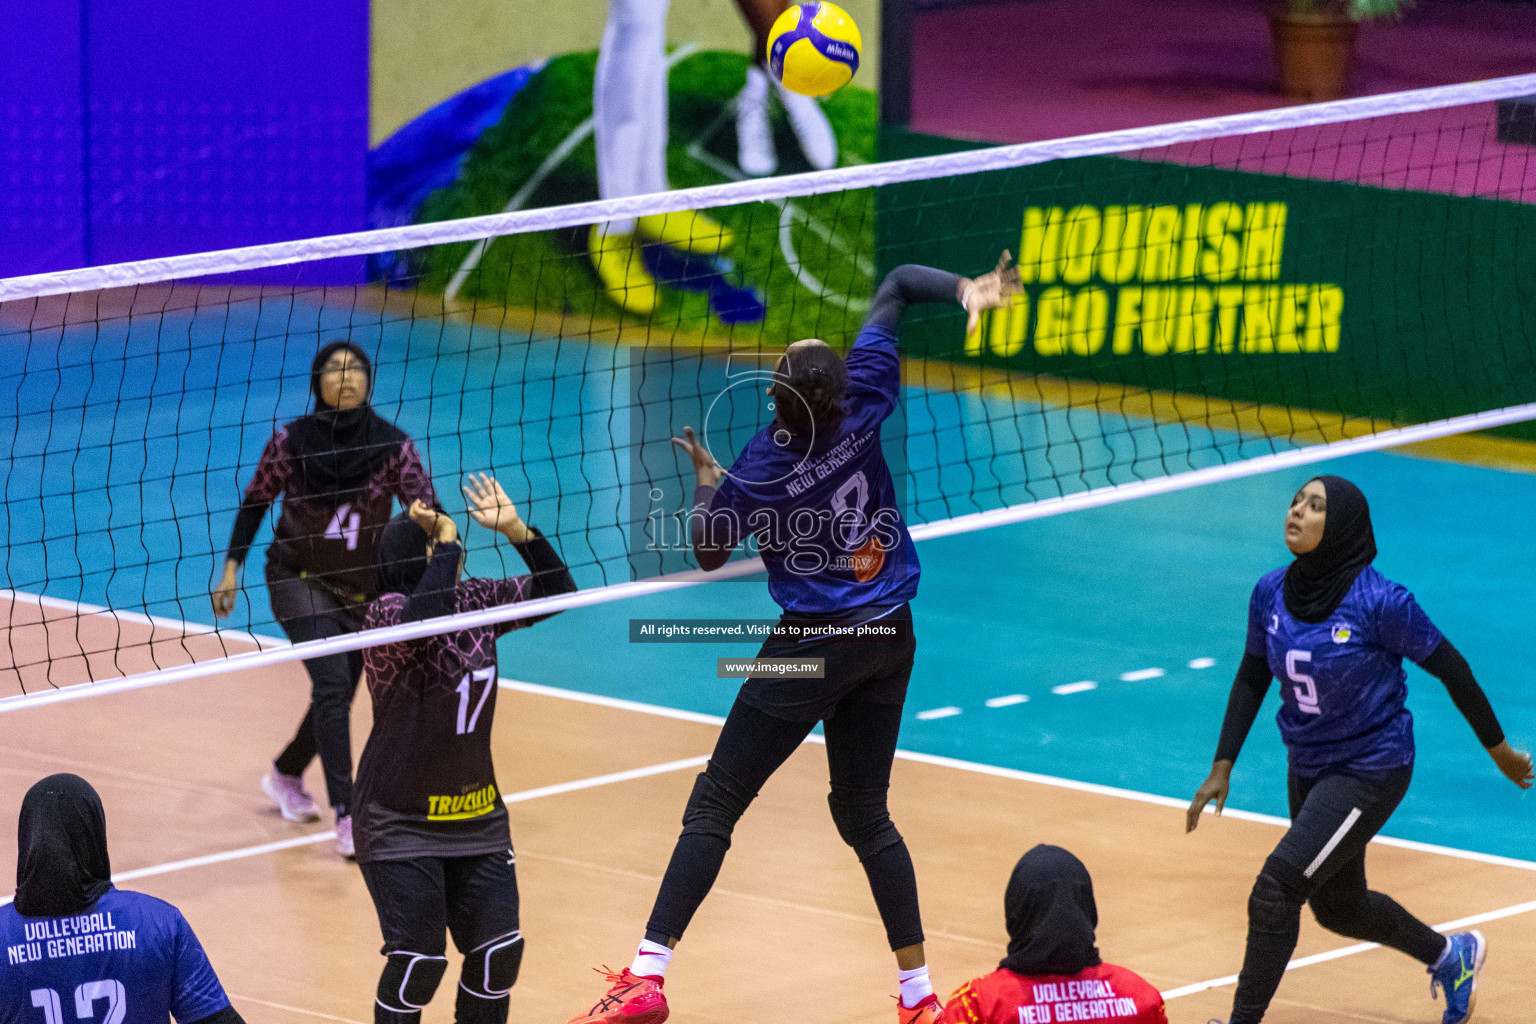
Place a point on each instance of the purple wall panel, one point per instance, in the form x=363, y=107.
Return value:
x=216, y=125
x=204, y=125
x=42, y=184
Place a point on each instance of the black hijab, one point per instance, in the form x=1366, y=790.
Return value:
x=1316, y=582
x=402, y=555
x=339, y=449
x=61, y=864
x=1051, y=914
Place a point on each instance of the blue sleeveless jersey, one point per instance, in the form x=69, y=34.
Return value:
x=1341, y=680
x=130, y=959
x=827, y=520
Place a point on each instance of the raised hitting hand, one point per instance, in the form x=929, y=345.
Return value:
x=992, y=290
x=706, y=470
x=491, y=508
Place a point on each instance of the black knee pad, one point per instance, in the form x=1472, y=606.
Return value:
x=1277, y=896
x=715, y=805
x=490, y=969
x=863, y=821
x=409, y=979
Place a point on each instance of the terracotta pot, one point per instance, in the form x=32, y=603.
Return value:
x=1314, y=52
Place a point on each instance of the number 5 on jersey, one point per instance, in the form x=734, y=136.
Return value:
x=1306, y=693
x=484, y=676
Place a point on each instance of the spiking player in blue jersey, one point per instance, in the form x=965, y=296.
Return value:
x=1336, y=631
x=79, y=950
x=814, y=489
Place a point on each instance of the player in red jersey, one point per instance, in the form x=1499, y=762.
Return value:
x=1053, y=971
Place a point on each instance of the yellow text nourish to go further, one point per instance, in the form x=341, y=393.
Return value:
x=1098, y=282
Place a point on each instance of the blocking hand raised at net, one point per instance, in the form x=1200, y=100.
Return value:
x=491, y=508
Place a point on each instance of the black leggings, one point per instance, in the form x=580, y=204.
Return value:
x=861, y=745
x=307, y=611
x=1321, y=861
x=475, y=900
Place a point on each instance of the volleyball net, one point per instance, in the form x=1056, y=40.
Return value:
x=1199, y=301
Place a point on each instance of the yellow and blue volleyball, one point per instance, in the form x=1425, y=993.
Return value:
x=813, y=48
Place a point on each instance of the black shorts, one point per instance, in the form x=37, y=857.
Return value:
x=1335, y=815
x=474, y=898
x=876, y=671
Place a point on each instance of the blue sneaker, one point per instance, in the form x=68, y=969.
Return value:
x=1456, y=975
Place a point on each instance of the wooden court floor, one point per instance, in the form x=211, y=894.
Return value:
x=790, y=931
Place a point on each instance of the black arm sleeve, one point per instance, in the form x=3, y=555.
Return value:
x=1447, y=665
x=228, y=1015
x=908, y=285
x=548, y=572
x=713, y=537
x=1248, y=691
x=433, y=596
x=247, y=522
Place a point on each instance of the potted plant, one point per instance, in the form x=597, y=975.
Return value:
x=1315, y=42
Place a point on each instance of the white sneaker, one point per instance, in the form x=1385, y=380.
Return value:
x=754, y=137
x=811, y=127
x=288, y=792
x=344, y=837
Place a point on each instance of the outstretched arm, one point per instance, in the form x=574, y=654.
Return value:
x=547, y=572
x=712, y=538
x=912, y=283
x=1447, y=664
x=1248, y=689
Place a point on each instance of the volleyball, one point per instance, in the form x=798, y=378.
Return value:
x=813, y=49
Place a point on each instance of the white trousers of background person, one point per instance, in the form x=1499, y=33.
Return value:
x=629, y=103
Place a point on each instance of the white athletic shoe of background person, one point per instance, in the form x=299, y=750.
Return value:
x=288, y=793
x=755, y=154
x=629, y=119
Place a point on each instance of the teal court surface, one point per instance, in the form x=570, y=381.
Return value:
x=1096, y=645
x=1084, y=657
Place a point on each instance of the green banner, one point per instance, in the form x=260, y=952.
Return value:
x=1404, y=306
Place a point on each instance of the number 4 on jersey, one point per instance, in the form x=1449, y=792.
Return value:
x=345, y=525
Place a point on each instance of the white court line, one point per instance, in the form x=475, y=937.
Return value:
x=1053, y=781
x=1066, y=689
x=909, y=755
x=1008, y=701
x=1359, y=947
x=944, y=712
x=1093, y=498
x=1198, y=663
x=138, y=618
x=312, y=838
x=904, y=755
x=1141, y=674
x=237, y=997
x=611, y=702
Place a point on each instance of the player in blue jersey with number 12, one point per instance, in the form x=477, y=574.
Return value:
x=1335, y=632
x=79, y=951
x=814, y=489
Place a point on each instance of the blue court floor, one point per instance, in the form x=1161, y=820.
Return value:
x=131, y=446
